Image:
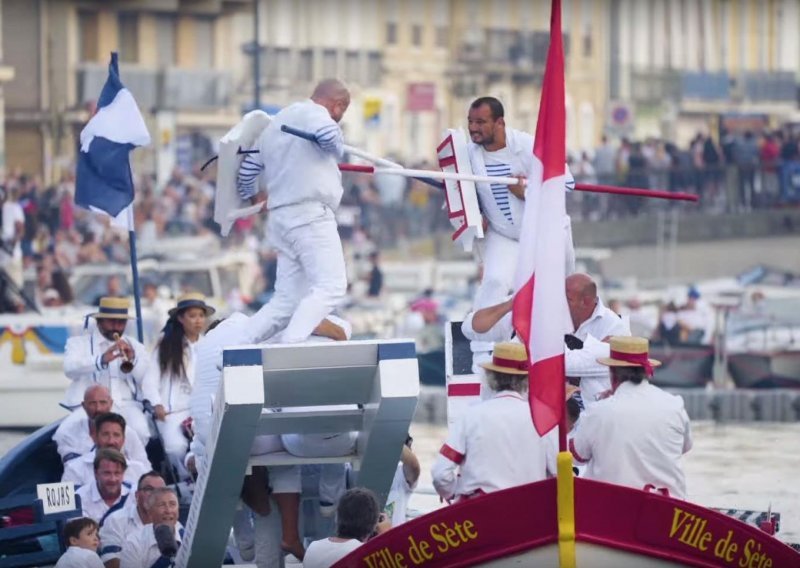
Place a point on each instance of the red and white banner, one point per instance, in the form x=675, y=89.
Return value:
x=540, y=312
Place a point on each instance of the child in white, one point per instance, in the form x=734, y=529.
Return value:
x=81, y=535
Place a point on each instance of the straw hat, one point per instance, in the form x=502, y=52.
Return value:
x=629, y=352
x=191, y=300
x=508, y=358
x=113, y=308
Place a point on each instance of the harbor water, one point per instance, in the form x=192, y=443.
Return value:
x=735, y=465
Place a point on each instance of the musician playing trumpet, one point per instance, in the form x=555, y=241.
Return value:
x=108, y=357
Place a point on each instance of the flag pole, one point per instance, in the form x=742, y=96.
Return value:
x=137, y=300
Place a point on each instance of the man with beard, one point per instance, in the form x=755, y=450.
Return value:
x=109, y=433
x=100, y=357
x=74, y=437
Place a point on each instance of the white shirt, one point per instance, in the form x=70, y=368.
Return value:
x=294, y=169
x=12, y=214
x=83, y=366
x=92, y=503
x=397, y=501
x=80, y=471
x=583, y=362
x=325, y=553
x=174, y=392
x=504, y=216
x=494, y=446
x=141, y=550
x=116, y=528
x=482, y=344
x=635, y=438
x=72, y=437
x=77, y=557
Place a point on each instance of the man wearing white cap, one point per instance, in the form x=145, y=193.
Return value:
x=636, y=436
x=108, y=357
x=495, y=446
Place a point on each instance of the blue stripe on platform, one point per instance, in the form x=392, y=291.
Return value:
x=388, y=351
x=241, y=357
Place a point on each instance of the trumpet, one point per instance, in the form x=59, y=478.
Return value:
x=125, y=365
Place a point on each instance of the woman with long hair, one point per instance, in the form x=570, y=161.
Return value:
x=172, y=369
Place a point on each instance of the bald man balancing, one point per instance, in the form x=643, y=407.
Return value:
x=305, y=188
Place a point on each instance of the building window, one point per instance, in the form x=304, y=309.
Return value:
x=305, y=65
x=87, y=35
x=442, y=36
x=352, y=67
x=587, y=44
x=128, y=26
x=329, y=64
x=374, y=69
x=204, y=43
x=416, y=35
x=282, y=64
x=391, y=33
x=166, y=26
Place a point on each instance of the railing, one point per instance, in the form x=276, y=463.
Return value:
x=655, y=85
x=170, y=88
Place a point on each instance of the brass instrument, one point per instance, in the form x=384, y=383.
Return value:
x=125, y=365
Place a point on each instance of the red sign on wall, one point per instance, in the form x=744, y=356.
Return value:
x=421, y=97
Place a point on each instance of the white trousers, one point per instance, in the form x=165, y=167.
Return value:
x=311, y=277
x=332, y=476
x=175, y=443
x=499, y=264
x=135, y=418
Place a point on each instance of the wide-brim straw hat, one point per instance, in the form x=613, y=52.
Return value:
x=628, y=352
x=113, y=308
x=192, y=300
x=510, y=358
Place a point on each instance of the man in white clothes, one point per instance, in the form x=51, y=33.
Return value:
x=495, y=446
x=74, y=437
x=108, y=492
x=109, y=432
x=593, y=325
x=305, y=188
x=403, y=485
x=119, y=524
x=97, y=357
x=142, y=548
x=636, y=436
x=498, y=151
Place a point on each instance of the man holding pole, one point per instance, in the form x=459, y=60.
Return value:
x=499, y=151
x=305, y=189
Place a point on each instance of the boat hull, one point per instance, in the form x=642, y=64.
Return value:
x=614, y=527
x=683, y=366
x=765, y=370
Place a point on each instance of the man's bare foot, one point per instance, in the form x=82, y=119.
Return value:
x=255, y=491
x=295, y=548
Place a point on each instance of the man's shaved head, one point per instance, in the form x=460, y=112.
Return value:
x=330, y=89
x=334, y=96
x=581, y=293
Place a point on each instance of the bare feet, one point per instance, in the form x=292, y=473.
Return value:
x=295, y=548
x=255, y=491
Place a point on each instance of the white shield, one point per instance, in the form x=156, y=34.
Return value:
x=242, y=136
x=461, y=197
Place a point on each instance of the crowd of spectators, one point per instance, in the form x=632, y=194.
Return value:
x=45, y=235
x=736, y=173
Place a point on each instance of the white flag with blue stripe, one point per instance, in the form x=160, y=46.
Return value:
x=103, y=178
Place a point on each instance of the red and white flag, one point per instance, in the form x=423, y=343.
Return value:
x=540, y=312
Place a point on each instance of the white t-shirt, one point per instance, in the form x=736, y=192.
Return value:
x=77, y=557
x=397, y=501
x=325, y=553
x=12, y=214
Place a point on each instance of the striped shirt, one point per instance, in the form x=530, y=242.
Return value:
x=498, y=164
